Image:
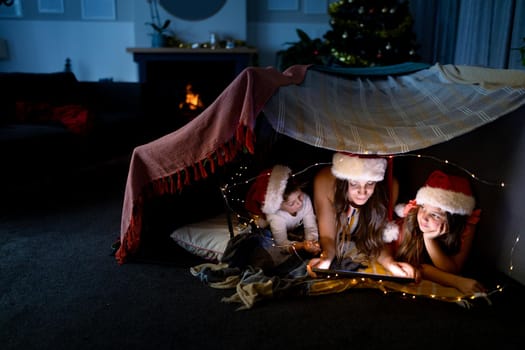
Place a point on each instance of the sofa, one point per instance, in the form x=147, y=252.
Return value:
x=53, y=126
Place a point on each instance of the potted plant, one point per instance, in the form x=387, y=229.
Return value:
x=159, y=29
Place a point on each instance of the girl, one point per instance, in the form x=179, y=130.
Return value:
x=350, y=202
x=436, y=231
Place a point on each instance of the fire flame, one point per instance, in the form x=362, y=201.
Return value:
x=192, y=101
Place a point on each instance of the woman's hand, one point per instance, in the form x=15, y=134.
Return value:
x=322, y=262
x=403, y=269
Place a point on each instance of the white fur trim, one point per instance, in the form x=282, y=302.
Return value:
x=453, y=202
x=391, y=232
x=275, y=189
x=399, y=209
x=348, y=167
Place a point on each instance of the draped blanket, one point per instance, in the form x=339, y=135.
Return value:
x=215, y=136
x=393, y=114
x=252, y=285
x=383, y=111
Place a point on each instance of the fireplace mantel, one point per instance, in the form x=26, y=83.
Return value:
x=242, y=57
x=165, y=74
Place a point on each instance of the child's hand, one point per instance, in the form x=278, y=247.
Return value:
x=403, y=269
x=312, y=247
x=469, y=286
x=442, y=229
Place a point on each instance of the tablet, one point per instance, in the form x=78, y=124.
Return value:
x=335, y=273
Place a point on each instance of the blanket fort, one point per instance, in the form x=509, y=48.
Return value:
x=388, y=110
x=216, y=135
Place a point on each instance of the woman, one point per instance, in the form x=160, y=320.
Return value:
x=351, y=205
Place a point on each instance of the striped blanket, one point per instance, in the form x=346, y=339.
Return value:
x=395, y=113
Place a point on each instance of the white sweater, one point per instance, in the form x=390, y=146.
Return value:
x=281, y=222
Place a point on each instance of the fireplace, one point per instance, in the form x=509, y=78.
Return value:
x=168, y=85
x=178, y=84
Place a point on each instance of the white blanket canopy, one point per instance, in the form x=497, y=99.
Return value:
x=395, y=113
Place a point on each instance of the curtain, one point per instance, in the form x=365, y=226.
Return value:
x=435, y=24
x=470, y=32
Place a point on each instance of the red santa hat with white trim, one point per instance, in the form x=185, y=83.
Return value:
x=266, y=194
x=450, y=193
x=346, y=166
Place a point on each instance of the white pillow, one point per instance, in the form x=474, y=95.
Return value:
x=208, y=238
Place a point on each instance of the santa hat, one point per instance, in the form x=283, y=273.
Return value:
x=346, y=166
x=266, y=194
x=448, y=192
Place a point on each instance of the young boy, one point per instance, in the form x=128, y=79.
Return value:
x=277, y=201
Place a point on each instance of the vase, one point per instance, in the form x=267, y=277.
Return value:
x=158, y=40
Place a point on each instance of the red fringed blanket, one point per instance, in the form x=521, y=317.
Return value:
x=216, y=135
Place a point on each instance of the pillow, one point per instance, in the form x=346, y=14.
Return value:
x=208, y=238
x=74, y=117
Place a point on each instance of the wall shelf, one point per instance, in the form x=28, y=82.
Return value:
x=241, y=57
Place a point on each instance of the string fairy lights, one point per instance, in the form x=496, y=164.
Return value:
x=511, y=263
x=230, y=197
x=232, y=201
x=444, y=161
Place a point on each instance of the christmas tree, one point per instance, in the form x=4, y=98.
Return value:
x=365, y=33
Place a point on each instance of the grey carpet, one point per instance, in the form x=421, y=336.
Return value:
x=61, y=289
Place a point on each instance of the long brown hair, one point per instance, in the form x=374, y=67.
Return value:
x=368, y=235
x=412, y=248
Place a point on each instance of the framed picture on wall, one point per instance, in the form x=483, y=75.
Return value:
x=283, y=5
x=313, y=7
x=51, y=6
x=14, y=10
x=98, y=9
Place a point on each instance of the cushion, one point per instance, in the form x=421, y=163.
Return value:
x=75, y=118
x=47, y=88
x=208, y=238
